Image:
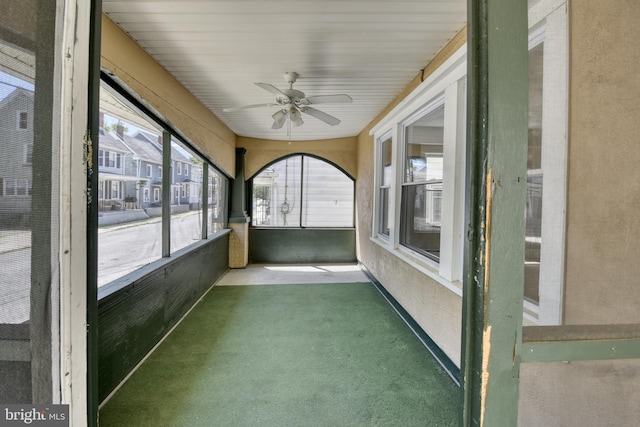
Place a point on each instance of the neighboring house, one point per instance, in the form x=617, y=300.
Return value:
x=147, y=157
x=16, y=140
x=195, y=187
x=115, y=173
x=182, y=184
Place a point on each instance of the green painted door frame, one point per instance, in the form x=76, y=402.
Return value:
x=496, y=186
x=93, y=125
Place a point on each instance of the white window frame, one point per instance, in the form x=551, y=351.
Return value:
x=380, y=185
x=179, y=167
x=548, y=25
x=145, y=194
x=447, y=81
x=11, y=186
x=156, y=194
x=159, y=171
x=149, y=170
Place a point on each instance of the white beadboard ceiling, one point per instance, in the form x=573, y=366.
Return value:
x=369, y=50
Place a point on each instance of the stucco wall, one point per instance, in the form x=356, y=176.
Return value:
x=579, y=394
x=138, y=70
x=260, y=152
x=435, y=308
x=603, y=248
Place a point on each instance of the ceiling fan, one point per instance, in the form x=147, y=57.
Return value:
x=294, y=102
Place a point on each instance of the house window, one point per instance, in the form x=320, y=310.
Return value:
x=16, y=187
x=186, y=170
x=159, y=171
x=156, y=194
x=145, y=195
x=302, y=191
x=23, y=120
x=418, y=209
x=149, y=170
x=421, y=194
x=28, y=154
x=100, y=157
x=116, y=189
x=179, y=167
x=384, y=185
x=185, y=188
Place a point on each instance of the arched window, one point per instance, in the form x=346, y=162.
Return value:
x=302, y=191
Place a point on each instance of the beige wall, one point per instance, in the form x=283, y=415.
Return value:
x=603, y=244
x=126, y=60
x=436, y=309
x=260, y=152
x=580, y=394
x=603, y=249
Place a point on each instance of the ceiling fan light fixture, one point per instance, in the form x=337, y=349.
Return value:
x=295, y=117
x=279, y=117
x=293, y=103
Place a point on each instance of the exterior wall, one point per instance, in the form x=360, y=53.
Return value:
x=260, y=152
x=436, y=309
x=603, y=248
x=579, y=394
x=601, y=277
x=133, y=66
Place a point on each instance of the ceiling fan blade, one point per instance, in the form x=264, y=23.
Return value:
x=295, y=117
x=271, y=88
x=245, y=107
x=279, y=117
x=320, y=115
x=330, y=99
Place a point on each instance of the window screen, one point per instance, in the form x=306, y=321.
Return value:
x=29, y=291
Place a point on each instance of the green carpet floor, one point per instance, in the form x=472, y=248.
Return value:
x=288, y=355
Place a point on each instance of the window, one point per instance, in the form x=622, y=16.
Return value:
x=418, y=209
x=28, y=154
x=421, y=194
x=216, y=201
x=302, y=191
x=384, y=185
x=125, y=249
x=186, y=214
x=133, y=158
x=23, y=120
x=16, y=187
x=546, y=167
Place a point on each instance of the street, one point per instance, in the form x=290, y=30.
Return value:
x=122, y=248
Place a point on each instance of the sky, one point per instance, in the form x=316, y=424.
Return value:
x=8, y=84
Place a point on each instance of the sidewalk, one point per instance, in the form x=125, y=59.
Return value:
x=14, y=240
